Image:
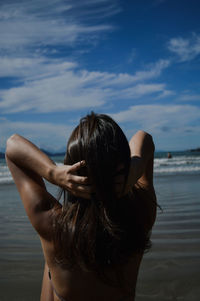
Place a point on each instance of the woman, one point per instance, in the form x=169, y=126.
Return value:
x=93, y=243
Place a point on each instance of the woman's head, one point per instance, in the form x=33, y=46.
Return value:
x=102, y=144
x=105, y=230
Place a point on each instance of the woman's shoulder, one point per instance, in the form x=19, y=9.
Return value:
x=146, y=203
x=147, y=191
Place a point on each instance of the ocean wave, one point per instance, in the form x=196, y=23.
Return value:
x=162, y=166
x=177, y=165
x=177, y=170
x=181, y=160
x=5, y=175
x=6, y=180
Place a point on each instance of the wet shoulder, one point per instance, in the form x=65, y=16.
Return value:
x=146, y=203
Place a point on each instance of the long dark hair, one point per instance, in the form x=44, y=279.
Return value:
x=104, y=231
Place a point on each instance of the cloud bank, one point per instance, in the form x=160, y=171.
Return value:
x=57, y=85
x=29, y=25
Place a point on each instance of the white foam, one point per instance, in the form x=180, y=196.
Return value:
x=175, y=170
x=165, y=166
x=5, y=175
x=6, y=180
x=177, y=165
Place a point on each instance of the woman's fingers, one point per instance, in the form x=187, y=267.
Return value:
x=77, y=166
x=79, y=179
x=73, y=176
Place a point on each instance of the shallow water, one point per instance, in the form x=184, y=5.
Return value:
x=170, y=271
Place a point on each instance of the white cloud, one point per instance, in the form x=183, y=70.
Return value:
x=53, y=94
x=188, y=97
x=44, y=85
x=26, y=68
x=67, y=92
x=142, y=89
x=46, y=135
x=165, y=93
x=35, y=24
x=186, y=49
x=153, y=71
x=41, y=84
x=169, y=122
x=159, y=119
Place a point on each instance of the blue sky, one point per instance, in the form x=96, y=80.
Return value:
x=138, y=61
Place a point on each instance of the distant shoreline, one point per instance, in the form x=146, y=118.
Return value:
x=195, y=150
x=2, y=155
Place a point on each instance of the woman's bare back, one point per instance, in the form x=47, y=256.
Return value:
x=77, y=285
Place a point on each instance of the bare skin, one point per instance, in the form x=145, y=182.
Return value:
x=29, y=166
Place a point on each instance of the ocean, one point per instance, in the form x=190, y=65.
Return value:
x=169, y=271
x=181, y=163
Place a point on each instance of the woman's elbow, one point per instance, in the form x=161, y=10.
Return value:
x=148, y=139
x=151, y=143
x=10, y=144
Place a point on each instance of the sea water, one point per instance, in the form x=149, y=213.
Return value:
x=181, y=163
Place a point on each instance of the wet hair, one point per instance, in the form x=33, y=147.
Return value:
x=106, y=230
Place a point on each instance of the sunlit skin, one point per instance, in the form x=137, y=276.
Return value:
x=29, y=166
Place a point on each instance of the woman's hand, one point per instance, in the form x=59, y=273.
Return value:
x=66, y=177
x=135, y=172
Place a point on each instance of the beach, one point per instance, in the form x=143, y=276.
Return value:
x=169, y=271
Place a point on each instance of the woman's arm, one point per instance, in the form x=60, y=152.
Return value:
x=142, y=152
x=26, y=155
x=28, y=166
